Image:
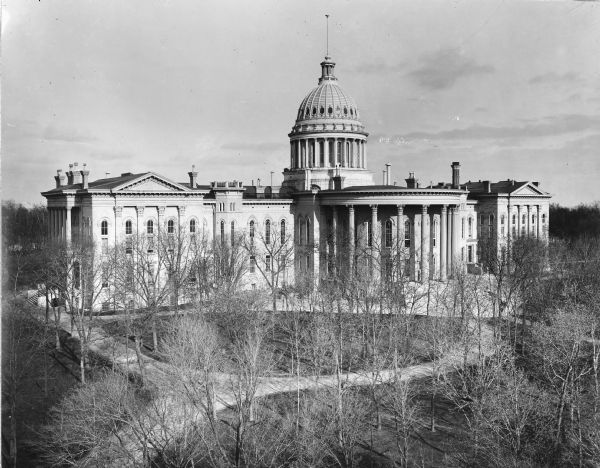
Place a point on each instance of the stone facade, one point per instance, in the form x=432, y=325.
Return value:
x=328, y=206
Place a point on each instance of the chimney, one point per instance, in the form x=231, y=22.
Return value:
x=193, y=176
x=487, y=186
x=70, y=175
x=411, y=182
x=76, y=174
x=60, y=178
x=338, y=182
x=455, y=175
x=258, y=182
x=387, y=173
x=84, y=177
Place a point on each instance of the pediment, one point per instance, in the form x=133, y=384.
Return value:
x=151, y=183
x=528, y=189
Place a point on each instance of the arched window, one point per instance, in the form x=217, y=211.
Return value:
x=282, y=232
x=369, y=234
x=170, y=226
x=388, y=233
x=514, y=219
x=407, y=233
x=251, y=231
x=532, y=219
x=104, y=228
x=330, y=110
x=150, y=227
x=543, y=218
x=222, y=232
x=523, y=219
x=308, y=231
x=128, y=227
x=462, y=226
x=314, y=111
x=192, y=226
x=322, y=110
x=232, y=232
x=268, y=232
x=470, y=227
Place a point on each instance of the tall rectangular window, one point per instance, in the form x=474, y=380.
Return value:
x=252, y=264
x=268, y=263
x=407, y=234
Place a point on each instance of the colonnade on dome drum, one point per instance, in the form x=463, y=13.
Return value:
x=328, y=152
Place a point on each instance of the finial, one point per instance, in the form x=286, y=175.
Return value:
x=193, y=167
x=327, y=36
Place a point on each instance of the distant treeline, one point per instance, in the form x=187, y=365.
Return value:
x=573, y=223
x=23, y=227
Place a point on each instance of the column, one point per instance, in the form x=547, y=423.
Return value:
x=334, y=235
x=443, y=240
x=118, y=224
x=326, y=149
x=374, y=235
x=455, y=237
x=68, y=225
x=317, y=153
x=298, y=154
x=538, y=222
x=518, y=221
x=400, y=240
x=424, y=244
x=351, y=237
x=364, y=145
x=139, y=211
x=528, y=220
x=335, y=152
x=291, y=154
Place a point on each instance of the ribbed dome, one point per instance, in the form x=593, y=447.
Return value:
x=327, y=101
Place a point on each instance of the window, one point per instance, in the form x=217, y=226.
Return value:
x=128, y=246
x=104, y=228
x=222, y=232
x=502, y=222
x=470, y=254
x=268, y=263
x=523, y=219
x=268, y=232
x=150, y=227
x=170, y=226
x=407, y=234
x=514, y=219
x=252, y=264
x=388, y=233
x=470, y=227
x=462, y=225
x=76, y=274
x=307, y=263
x=434, y=240
x=150, y=244
x=105, y=276
x=254, y=286
x=192, y=226
x=104, y=246
x=369, y=234
x=308, y=231
x=105, y=306
x=532, y=219
x=282, y=232
x=232, y=232
x=544, y=218
x=251, y=231
x=128, y=227
x=491, y=225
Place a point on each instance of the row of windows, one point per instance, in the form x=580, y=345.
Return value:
x=346, y=111
x=149, y=227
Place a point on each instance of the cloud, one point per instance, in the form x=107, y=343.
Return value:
x=379, y=67
x=442, y=69
x=555, y=78
x=548, y=126
x=248, y=146
x=69, y=135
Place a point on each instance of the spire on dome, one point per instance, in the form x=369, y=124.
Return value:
x=327, y=65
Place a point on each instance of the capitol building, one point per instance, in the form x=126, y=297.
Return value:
x=328, y=209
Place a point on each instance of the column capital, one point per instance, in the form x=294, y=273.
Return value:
x=161, y=211
x=374, y=207
x=139, y=210
x=424, y=208
x=350, y=207
x=118, y=211
x=181, y=209
x=444, y=208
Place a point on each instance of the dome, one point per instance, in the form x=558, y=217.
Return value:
x=327, y=101
x=328, y=107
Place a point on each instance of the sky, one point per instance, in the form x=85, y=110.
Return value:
x=511, y=89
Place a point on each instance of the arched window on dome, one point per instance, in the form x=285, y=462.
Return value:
x=321, y=110
x=345, y=111
x=330, y=110
x=314, y=111
x=351, y=112
x=307, y=113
